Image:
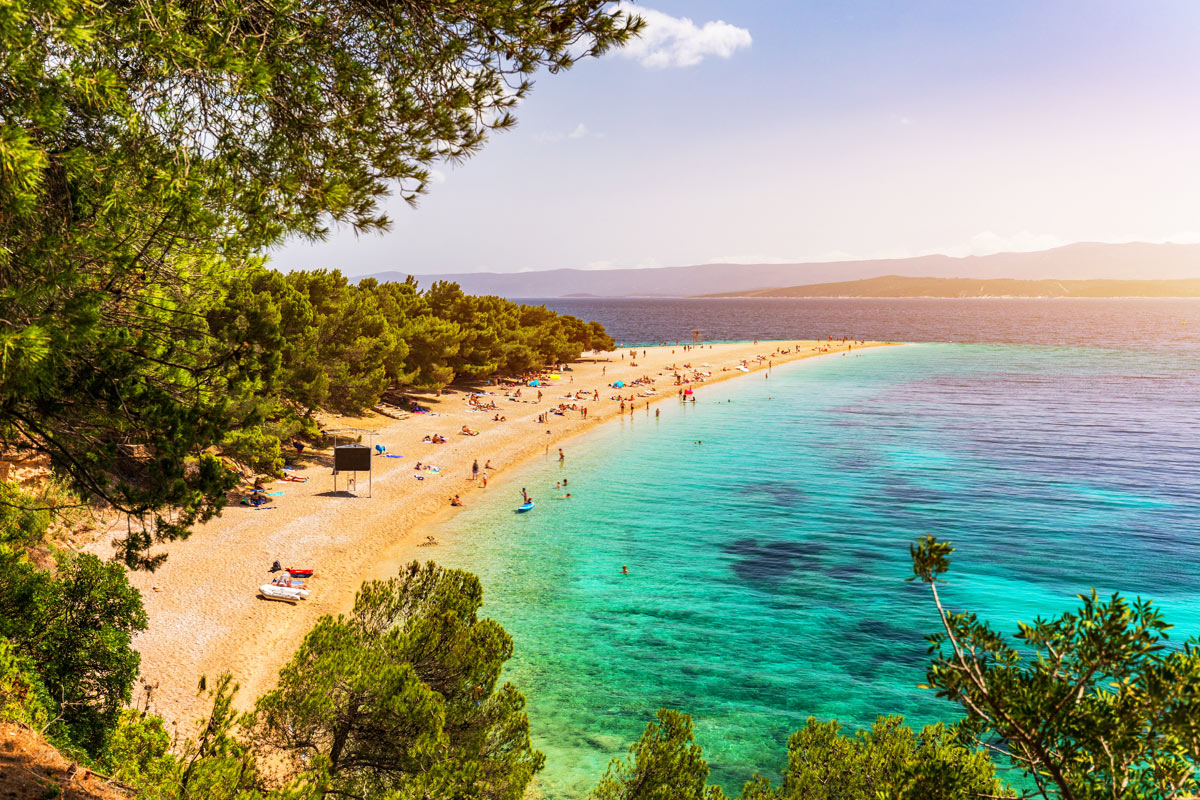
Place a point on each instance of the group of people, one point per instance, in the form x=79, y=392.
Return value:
x=475, y=401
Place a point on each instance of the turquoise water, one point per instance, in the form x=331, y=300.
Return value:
x=767, y=562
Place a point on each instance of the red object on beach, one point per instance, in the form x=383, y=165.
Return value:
x=300, y=573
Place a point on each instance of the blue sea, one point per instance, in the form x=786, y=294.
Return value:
x=766, y=527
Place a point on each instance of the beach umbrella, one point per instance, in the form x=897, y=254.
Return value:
x=534, y=383
x=618, y=384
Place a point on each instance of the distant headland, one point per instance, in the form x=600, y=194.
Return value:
x=899, y=286
x=1084, y=261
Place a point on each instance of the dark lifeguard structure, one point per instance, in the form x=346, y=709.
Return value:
x=352, y=457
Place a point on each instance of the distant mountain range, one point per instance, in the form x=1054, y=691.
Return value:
x=1083, y=261
x=900, y=286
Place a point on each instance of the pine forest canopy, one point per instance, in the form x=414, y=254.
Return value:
x=152, y=150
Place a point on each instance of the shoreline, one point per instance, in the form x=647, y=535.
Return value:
x=204, y=614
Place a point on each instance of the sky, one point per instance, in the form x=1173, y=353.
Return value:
x=783, y=131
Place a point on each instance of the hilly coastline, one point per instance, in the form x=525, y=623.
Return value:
x=899, y=286
x=1081, y=261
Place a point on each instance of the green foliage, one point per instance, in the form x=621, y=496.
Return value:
x=138, y=754
x=1090, y=704
x=665, y=764
x=73, y=625
x=152, y=152
x=217, y=765
x=24, y=519
x=344, y=345
x=889, y=760
x=402, y=697
x=76, y=626
x=23, y=698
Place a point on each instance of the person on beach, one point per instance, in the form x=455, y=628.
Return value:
x=475, y=470
x=561, y=457
x=488, y=464
x=483, y=479
x=454, y=501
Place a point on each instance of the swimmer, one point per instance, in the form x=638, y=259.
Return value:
x=624, y=570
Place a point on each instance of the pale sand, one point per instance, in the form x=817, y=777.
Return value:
x=205, y=615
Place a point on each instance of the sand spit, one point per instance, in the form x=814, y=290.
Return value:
x=206, y=617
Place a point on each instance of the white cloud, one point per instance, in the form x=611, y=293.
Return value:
x=670, y=41
x=580, y=131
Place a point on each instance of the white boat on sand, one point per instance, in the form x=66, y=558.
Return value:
x=290, y=594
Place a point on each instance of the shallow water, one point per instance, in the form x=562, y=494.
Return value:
x=766, y=531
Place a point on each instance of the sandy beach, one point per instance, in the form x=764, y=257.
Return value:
x=206, y=617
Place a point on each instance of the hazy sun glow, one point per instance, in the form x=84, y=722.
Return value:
x=765, y=131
